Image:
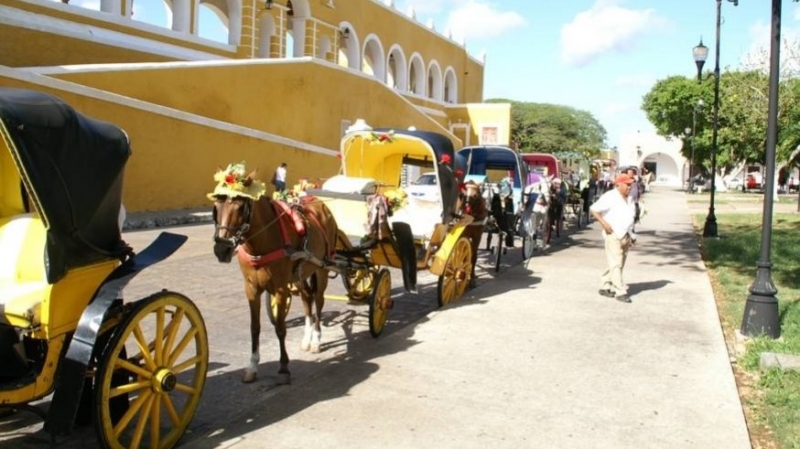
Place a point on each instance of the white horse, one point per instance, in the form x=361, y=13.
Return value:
x=539, y=193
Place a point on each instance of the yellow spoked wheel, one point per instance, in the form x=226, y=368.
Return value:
x=151, y=374
x=456, y=276
x=380, y=302
x=272, y=310
x=359, y=283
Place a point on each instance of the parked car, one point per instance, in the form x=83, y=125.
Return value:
x=425, y=188
x=752, y=181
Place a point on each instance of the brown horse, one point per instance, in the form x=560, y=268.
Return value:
x=472, y=203
x=280, y=248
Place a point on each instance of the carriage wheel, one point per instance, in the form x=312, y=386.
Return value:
x=380, y=302
x=457, y=272
x=528, y=246
x=528, y=238
x=272, y=310
x=499, y=253
x=359, y=283
x=163, y=379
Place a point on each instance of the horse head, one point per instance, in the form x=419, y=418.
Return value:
x=232, y=213
x=472, y=201
x=231, y=223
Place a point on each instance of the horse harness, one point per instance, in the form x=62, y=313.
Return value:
x=291, y=217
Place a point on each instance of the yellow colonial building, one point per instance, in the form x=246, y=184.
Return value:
x=291, y=78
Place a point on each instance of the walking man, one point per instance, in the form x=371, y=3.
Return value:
x=615, y=210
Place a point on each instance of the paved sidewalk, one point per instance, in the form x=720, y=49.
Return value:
x=535, y=358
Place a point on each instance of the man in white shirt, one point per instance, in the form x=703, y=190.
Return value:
x=615, y=211
x=280, y=178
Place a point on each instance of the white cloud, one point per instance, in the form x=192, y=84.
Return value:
x=757, y=56
x=479, y=20
x=621, y=108
x=605, y=27
x=465, y=19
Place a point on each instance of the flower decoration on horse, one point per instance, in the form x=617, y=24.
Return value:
x=234, y=182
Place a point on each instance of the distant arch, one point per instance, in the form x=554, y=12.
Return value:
x=416, y=75
x=396, y=69
x=450, y=86
x=373, y=61
x=349, y=47
x=435, y=81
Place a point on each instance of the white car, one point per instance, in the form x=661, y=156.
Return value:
x=425, y=188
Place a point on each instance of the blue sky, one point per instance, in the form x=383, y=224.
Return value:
x=601, y=56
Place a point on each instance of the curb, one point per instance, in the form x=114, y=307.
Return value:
x=149, y=220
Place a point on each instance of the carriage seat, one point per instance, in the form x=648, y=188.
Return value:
x=350, y=184
x=421, y=215
x=23, y=282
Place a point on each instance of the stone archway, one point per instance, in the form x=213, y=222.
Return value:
x=668, y=168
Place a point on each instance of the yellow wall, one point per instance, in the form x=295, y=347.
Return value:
x=299, y=99
x=174, y=161
x=478, y=115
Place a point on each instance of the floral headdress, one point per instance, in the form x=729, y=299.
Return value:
x=234, y=182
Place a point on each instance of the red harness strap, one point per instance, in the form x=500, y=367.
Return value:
x=285, y=213
x=262, y=261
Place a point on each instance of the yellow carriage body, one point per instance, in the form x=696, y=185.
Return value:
x=63, y=265
x=414, y=235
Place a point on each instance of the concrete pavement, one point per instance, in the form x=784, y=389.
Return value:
x=535, y=358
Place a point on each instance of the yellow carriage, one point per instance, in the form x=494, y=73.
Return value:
x=136, y=369
x=392, y=227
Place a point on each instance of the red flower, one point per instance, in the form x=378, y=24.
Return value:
x=462, y=186
x=383, y=138
x=459, y=174
x=339, y=155
x=230, y=179
x=445, y=159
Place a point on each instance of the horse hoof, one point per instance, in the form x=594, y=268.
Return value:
x=249, y=377
x=305, y=346
x=284, y=379
x=314, y=349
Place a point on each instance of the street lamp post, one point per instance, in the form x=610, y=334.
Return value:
x=690, y=135
x=761, y=309
x=700, y=54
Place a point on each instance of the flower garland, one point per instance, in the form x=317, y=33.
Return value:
x=380, y=138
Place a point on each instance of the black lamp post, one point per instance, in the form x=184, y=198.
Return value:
x=700, y=54
x=689, y=132
x=761, y=309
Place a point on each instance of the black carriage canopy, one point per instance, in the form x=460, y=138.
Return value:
x=477, y=160
x=443, y=151
x=72, y=168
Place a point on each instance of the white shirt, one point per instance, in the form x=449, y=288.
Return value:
x=280, y=174
x=617, y=211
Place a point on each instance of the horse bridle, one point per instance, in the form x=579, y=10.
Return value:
x=238, y=231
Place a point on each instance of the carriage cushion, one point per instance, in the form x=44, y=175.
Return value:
x=349, y=184
x=421, y=215
x=22, y=277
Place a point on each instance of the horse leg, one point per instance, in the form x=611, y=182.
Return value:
x=305, y=344
x=284, y=376
x=319, y=282
x=251, y=372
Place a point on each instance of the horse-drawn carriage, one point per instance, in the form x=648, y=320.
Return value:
x=543, y=200
x=502, y=175
x=382, y=226
x=136, y=369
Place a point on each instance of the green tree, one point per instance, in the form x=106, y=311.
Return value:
x=549, y=128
